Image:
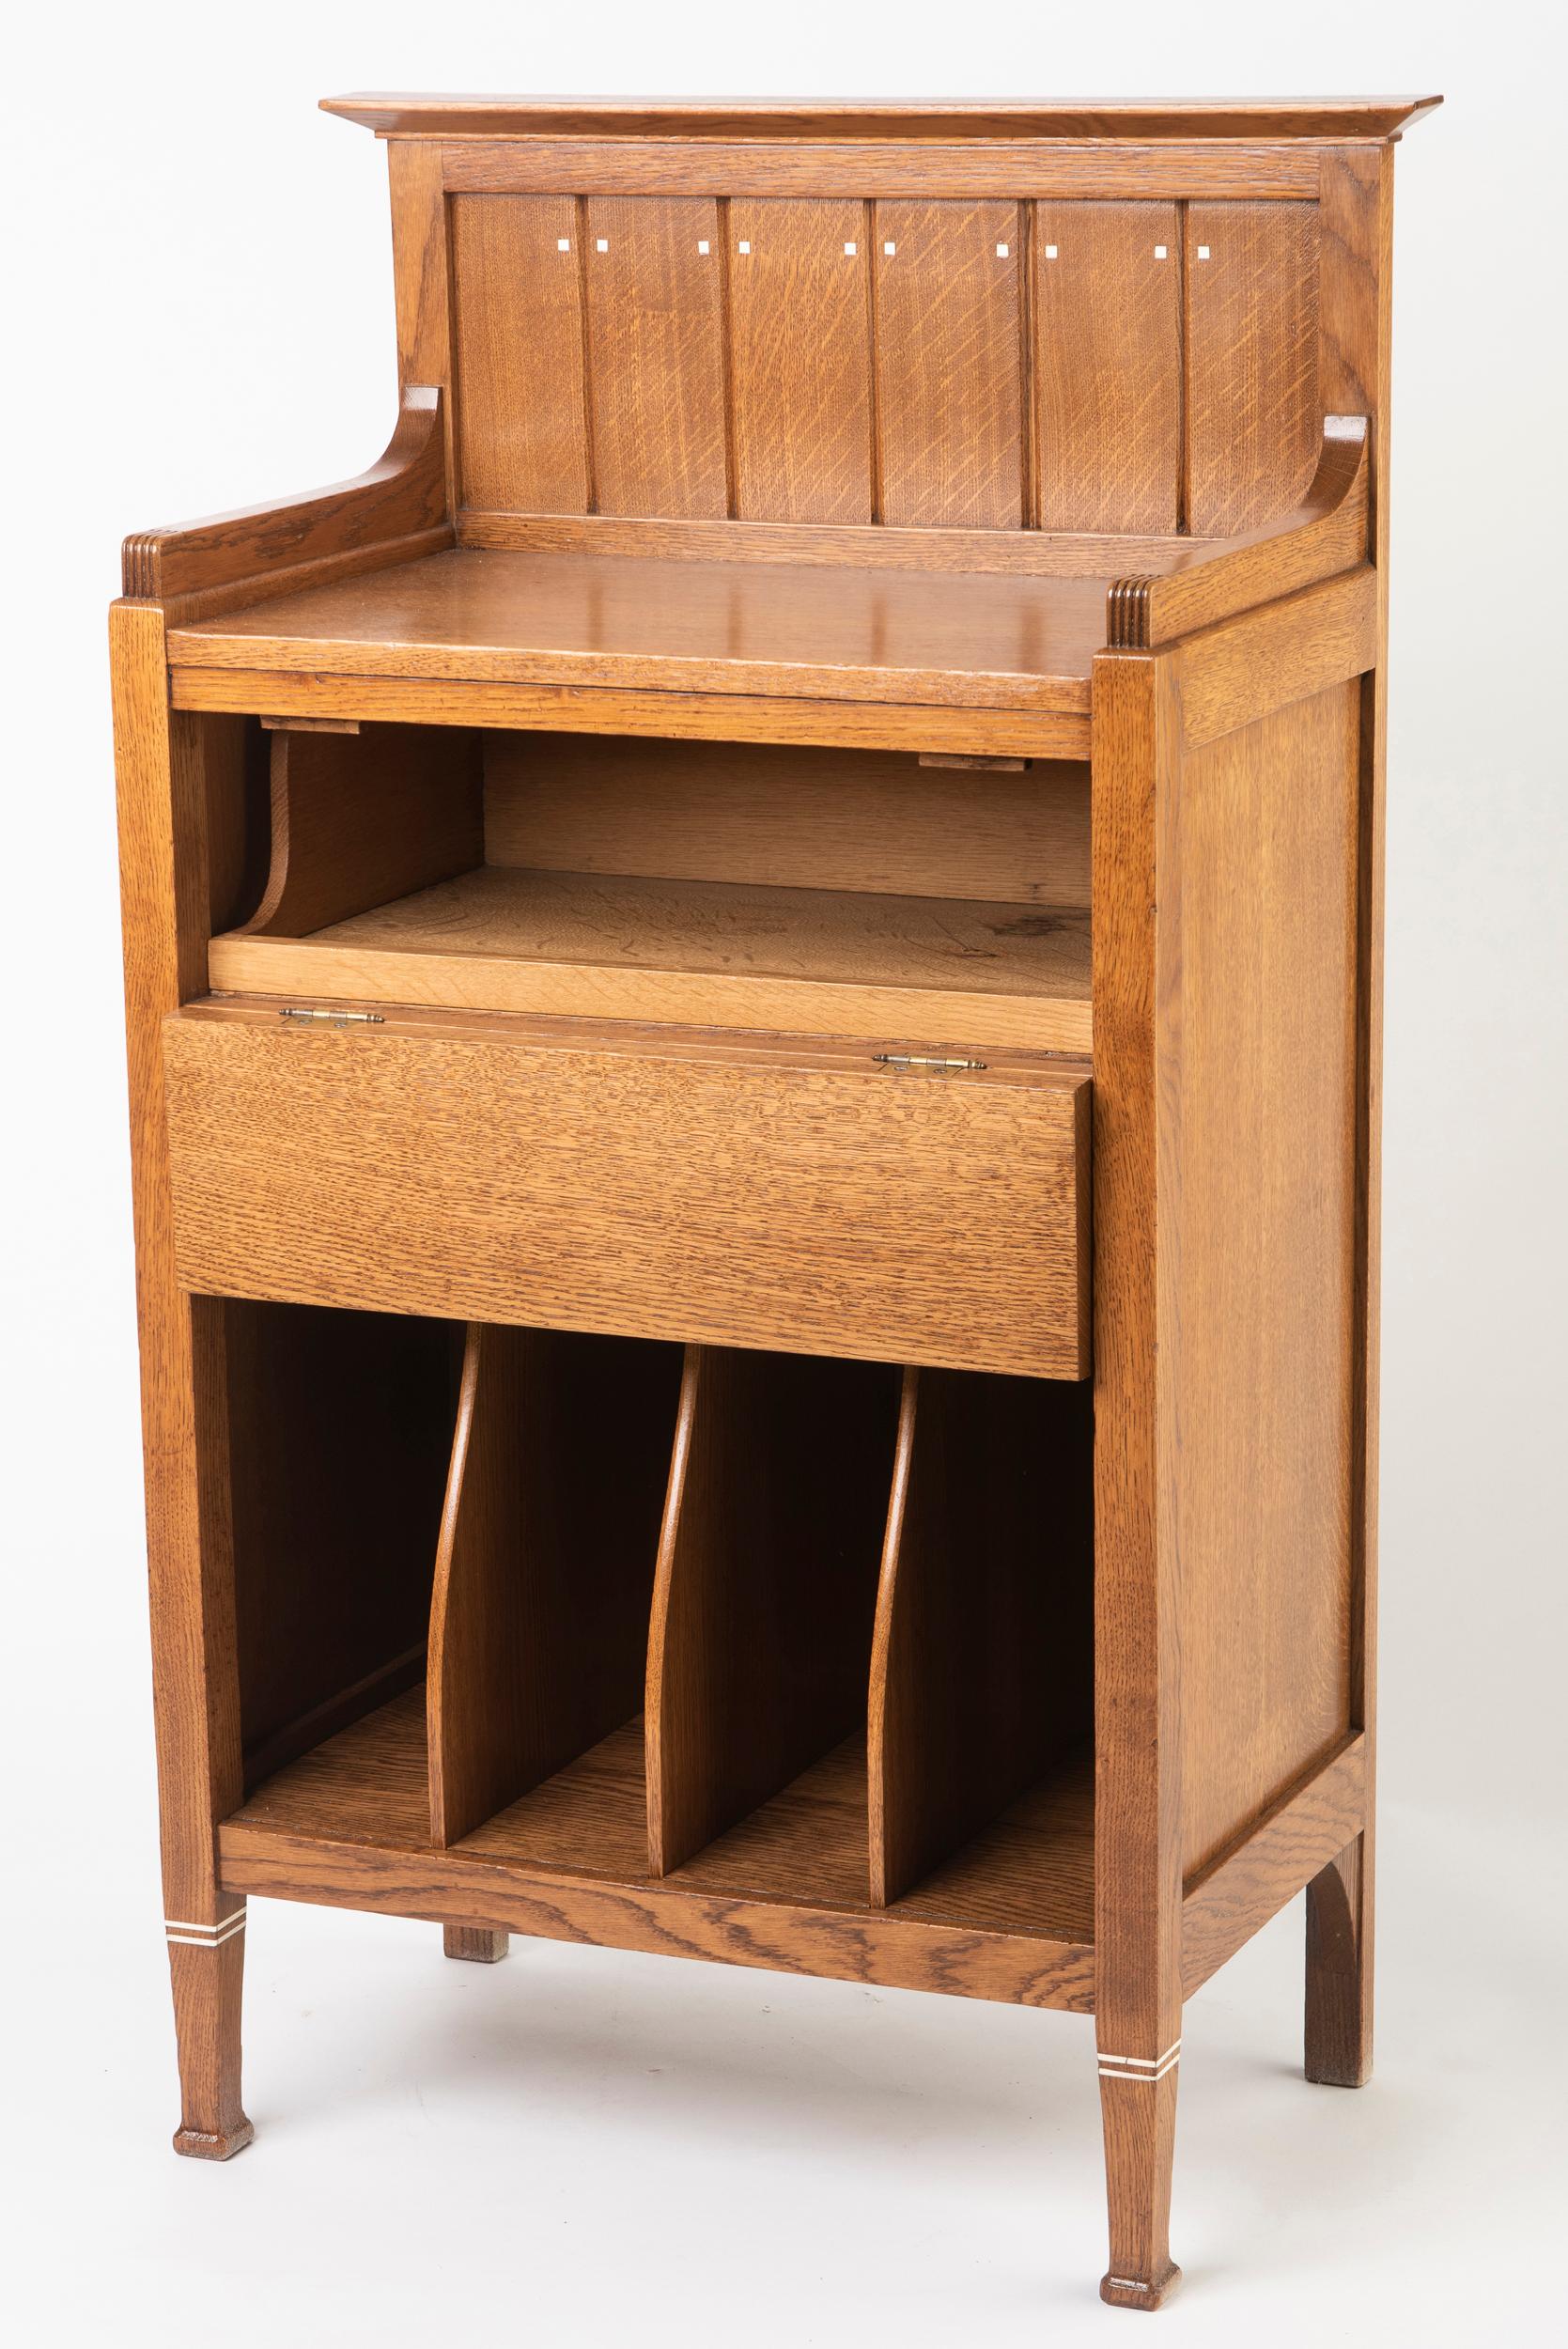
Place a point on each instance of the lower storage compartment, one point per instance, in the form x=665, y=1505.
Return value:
x=780, y=1659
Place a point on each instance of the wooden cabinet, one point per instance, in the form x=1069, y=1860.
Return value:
x=753, y=999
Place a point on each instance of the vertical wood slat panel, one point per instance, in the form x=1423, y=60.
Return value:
x=521, y=422
x=801, y=361
x=656, y=356
x=1107, y=366
x=1254, y=416
x=949, y=363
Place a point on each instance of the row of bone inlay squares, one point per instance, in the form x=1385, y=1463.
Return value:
x=601, y=244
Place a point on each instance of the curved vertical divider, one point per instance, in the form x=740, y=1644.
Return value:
x=982, y=1661
x=765, y=1584
x=539, y=1612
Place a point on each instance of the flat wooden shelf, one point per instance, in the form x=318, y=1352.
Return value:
x=1026, y=1880
x=963, y=640
x=507, y=938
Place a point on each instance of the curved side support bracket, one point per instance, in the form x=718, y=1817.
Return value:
x=1328, y=532
x=398, y=508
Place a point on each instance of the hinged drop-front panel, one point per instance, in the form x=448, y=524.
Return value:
x=811, y=1199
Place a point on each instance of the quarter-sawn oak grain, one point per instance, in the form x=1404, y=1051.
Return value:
x=756, y=458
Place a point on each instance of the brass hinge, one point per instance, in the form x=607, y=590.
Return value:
x=336, y=1019
x=921, y=1059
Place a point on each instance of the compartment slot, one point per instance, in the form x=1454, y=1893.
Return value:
x=340, y=1430
x=359, y=819
x=766, y=1589
x=982, y=1671
x=539, y=1612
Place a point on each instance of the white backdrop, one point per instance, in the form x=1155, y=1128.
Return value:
x=581, y=2143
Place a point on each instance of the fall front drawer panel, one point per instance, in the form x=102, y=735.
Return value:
x=656, y=1183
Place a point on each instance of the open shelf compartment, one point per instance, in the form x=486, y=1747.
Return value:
x=665, y=1605
x=736, y=885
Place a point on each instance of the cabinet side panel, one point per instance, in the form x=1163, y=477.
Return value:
x=1258, y=1249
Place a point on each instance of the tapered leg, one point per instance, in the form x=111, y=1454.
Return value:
x=474, y=1941
x=207, y=1965
x=1139, y=2111
x=1338, y=1969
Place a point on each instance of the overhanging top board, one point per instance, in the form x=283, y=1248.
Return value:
x=392, y=114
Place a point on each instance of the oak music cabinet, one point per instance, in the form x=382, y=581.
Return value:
x=753, y=974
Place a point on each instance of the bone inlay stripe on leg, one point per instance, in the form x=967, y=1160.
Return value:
x=1143, y=2079
x=1149, y=2068
x=204, y=1937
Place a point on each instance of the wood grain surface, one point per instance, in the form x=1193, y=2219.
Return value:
x=669, y=716
x=767, y=1585
x=504, y=938
x=833, y=546
x=800, y=357
x=422, y=271
x=479, y=1944
x=796, y=818
x=1107, y=366
x=1254, y=406
x=1261, y=664
x=162, y=784
x=539, y=1612
x=333, y=1558
x=1225, y=577
x=948, y=354
x=653, y=270
x=1338, y=2031
x=1108, y=122
x=358, y=819
x=348, y=1826
x=522, y=431
x=981, y=1672
x=1249, y=1880
x=396, y=509
x=1261, y=1291
x=1137, y=1686
x=902, y=1217
x=871, y=168
x=1080, y=454
x=995, y=643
